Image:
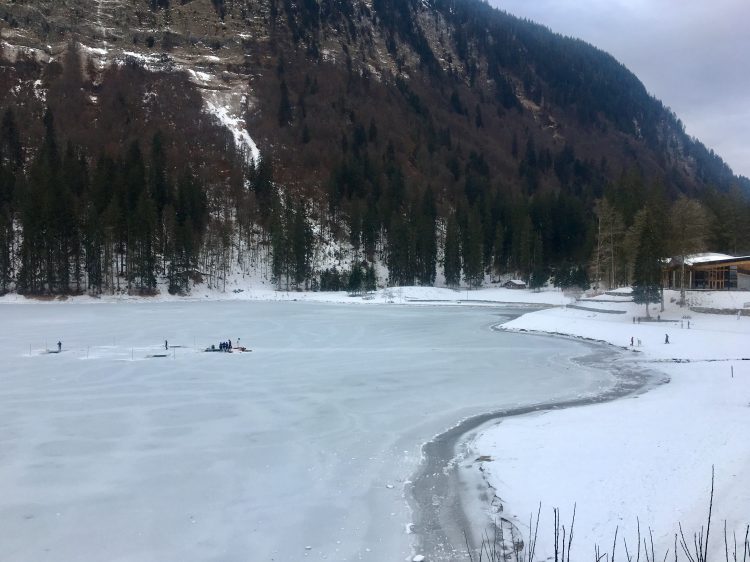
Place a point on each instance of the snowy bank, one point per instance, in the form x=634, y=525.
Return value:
x=391, y=295
x=646, y=458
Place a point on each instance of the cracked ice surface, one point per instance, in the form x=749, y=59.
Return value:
x=107, y=454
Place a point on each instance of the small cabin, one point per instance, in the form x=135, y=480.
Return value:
x=515, y=284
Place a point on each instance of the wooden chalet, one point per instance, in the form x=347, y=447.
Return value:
x=709, y=271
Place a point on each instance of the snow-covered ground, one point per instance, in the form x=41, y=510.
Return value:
x=117, y=449
x=255, y=291
x=646, y=458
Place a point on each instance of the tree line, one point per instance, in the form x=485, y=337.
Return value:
x=124, y=205
x=70, y=224
x=634, y=242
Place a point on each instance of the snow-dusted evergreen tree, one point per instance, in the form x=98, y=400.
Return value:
x=452, y=254
x=647, y=260
x=539, y=275
x=473, y=250
x=498, y=250
x=11, y=161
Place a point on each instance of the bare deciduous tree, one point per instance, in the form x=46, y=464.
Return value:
x=609, y=244
x=689, y=224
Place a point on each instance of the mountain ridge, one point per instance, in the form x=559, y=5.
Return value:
x=372, y=106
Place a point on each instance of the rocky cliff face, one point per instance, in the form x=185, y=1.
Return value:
x=189, y=39
x=447, y=58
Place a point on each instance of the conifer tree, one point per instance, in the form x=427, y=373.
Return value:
x=647, y=259
x=401, y=251
x=279, y=245
x=158, y=177
x=39, y=249
x=7, y=234
x=92, y=246
x=370, y=229
x=171, y=253
x=11, y=149
x=371, y=280
x=608, y=257
x=285, y=106
x=521, y=242
x=302, y=244
x=452, y=253
x=143, y=269
x=355, y=280
x=75, y=180
x=538, y=276
x=473, y=264
x=62, y=227
x=498, y=250
x=426, y=243
x=11, y=162
x=355, y=226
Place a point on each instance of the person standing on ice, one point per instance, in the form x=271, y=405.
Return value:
x=59, y=346
x=666, y=338
x=166, y=344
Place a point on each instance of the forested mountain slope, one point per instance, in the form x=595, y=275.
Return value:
x=180, y=140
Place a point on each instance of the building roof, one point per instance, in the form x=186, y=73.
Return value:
x=707, y=257
x=516, y=282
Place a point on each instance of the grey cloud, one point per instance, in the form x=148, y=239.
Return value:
x=691, y=54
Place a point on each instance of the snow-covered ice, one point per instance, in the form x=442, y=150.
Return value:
x=110, y=452
x=303, y=448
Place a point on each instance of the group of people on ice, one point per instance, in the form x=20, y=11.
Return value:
x=227, y=347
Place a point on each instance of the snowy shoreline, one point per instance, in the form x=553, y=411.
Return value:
x=448, y=468
x=647, y=459
x=398, y=295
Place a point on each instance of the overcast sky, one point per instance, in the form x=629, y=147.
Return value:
x=694, y=55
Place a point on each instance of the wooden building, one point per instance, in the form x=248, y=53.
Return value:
x=709, y=271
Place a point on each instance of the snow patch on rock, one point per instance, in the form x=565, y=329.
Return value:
x=227, y=107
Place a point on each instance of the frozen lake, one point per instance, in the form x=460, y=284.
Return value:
x=299, y=449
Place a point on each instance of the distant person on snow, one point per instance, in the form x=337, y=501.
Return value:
x=59, y=346
x=666, y=338
x=166, y=344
